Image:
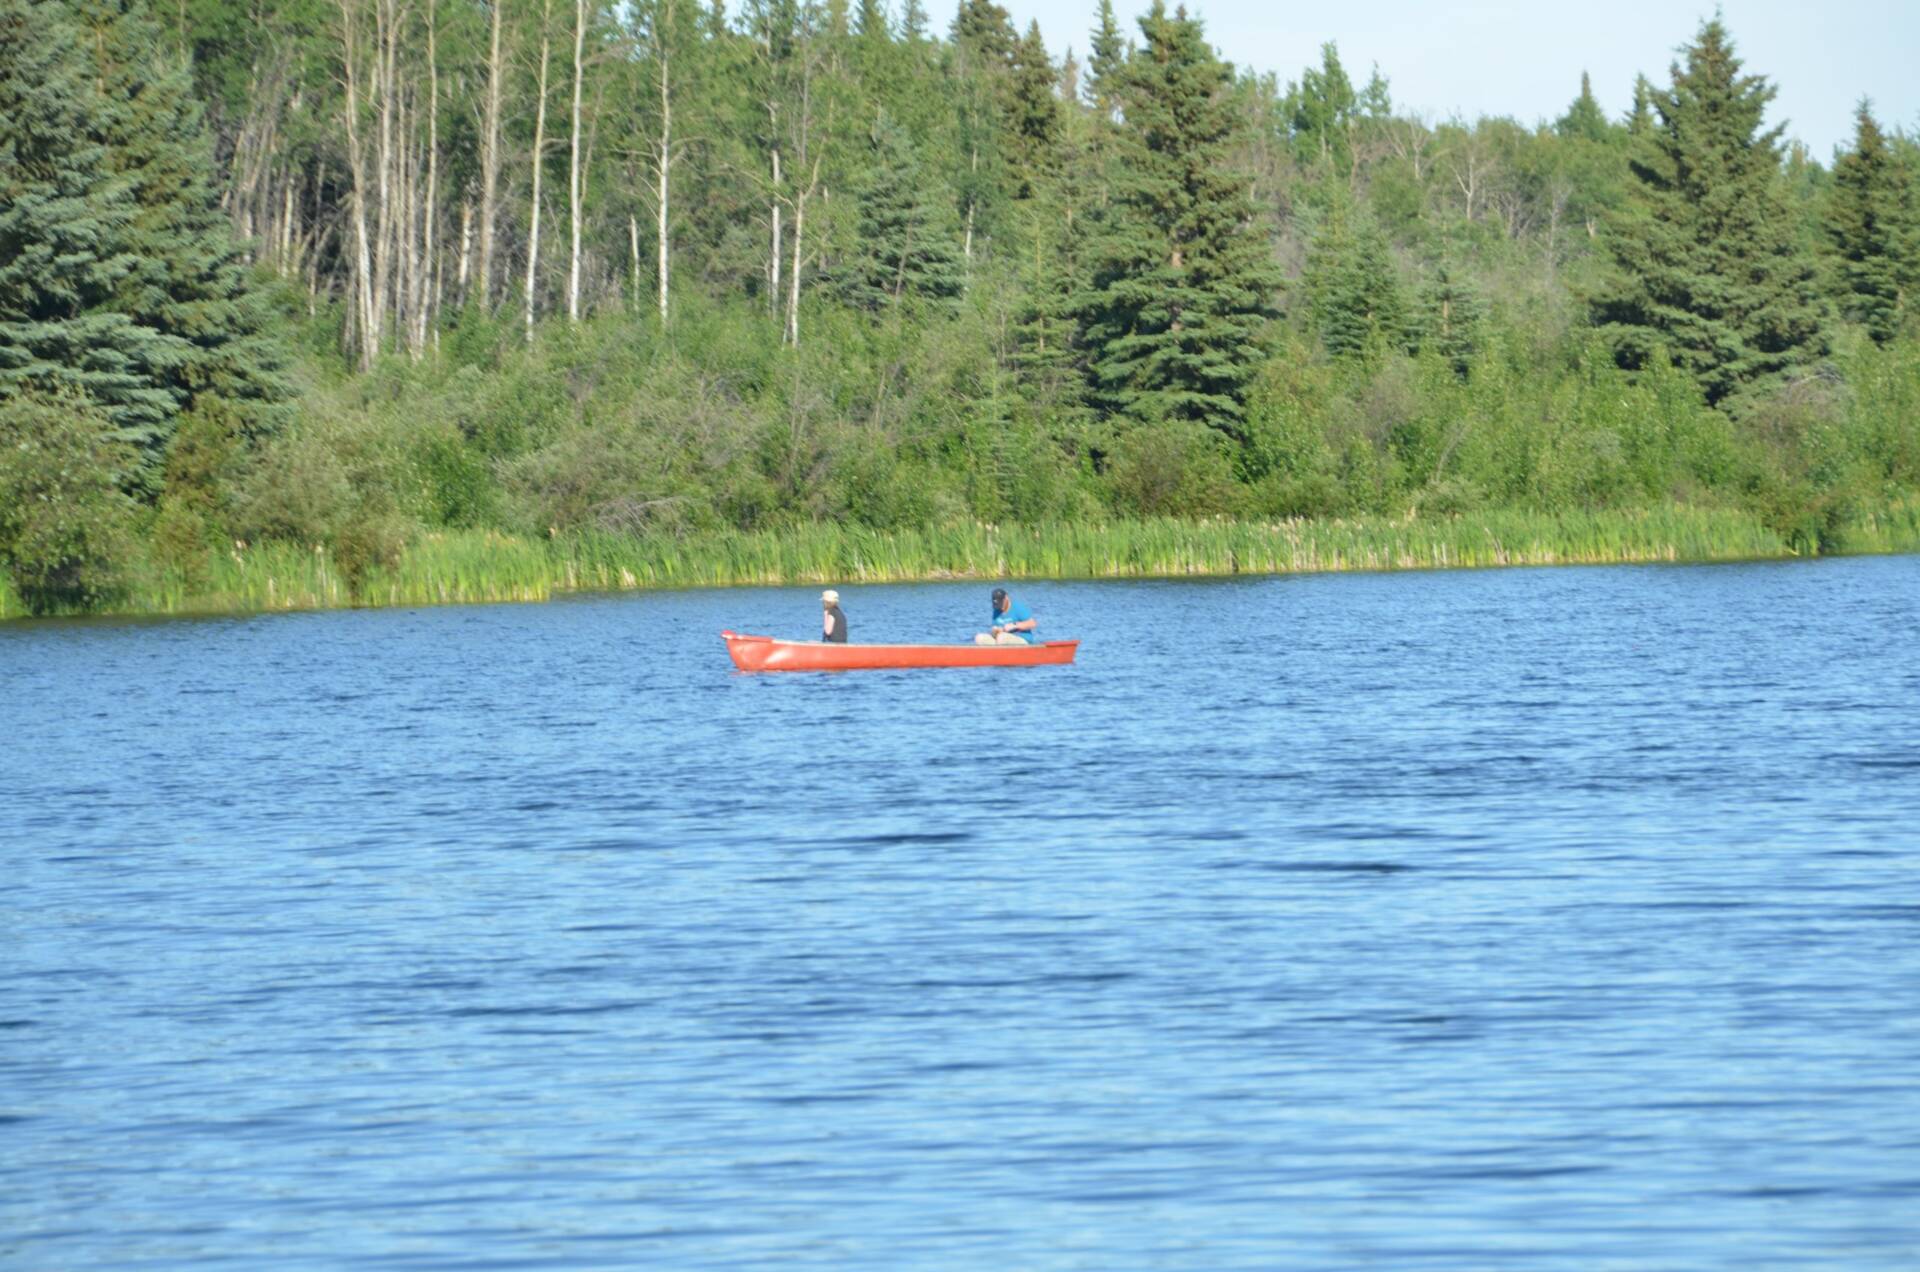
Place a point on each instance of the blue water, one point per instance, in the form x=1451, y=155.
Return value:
x=1532, y=919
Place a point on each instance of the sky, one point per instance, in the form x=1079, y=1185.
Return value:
x=1524, y=57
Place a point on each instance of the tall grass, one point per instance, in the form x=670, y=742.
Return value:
x=478, y=566
x=1137, y=549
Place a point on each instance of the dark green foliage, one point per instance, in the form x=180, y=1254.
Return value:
x=1640, y=118
x=1173, y=468
x=1182, y=283
x=1584, y=119
x=192, y=280
x=1355, y=295
x=1048, y=355
x=1321, y=110
x=1586, y=171
x=1023, y=297
x=983, y=31
x=913, y=22
x=1033, y=114
x=1710, y=262
x=907, y=242
x=121, y=278
x=67, y=239
x=1108, y=57
x=1449, y=318
x=206, y=461
x=65, y=527
x=1863, y=224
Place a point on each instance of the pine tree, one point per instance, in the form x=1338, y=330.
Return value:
x=1710, y=262
x=1183, y=282
x=1863, y=226
x=1448, y=320
x=906, y=230
x=1354, y=294
x=67, y=221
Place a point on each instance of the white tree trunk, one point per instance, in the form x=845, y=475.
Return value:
x=539, y=149
x=430, y=231
x=793, y=284
x=773, y=257
x=490, y=157
x=385, y=231
x=576, y=174
x=466, y=242
x=633, y=243
x=799, y=259
x=365, y=323
x=665, y=162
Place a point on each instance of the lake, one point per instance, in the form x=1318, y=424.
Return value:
x=1527, y=919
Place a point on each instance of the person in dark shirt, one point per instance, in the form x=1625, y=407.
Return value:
x=833, y=624
x=1013, y=623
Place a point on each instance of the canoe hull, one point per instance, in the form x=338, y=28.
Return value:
x=763, y=653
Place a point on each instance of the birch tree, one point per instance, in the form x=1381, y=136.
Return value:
x=492, y=102
x=538, y=159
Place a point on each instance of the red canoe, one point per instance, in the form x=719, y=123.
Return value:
x=764, y=653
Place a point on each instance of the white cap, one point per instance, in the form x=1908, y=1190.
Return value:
x=830, y=596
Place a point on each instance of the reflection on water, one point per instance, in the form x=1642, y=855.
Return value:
x=1542, y=919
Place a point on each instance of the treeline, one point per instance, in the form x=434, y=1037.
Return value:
x=341, y=273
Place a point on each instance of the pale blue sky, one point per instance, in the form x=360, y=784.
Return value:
x=1520, y=58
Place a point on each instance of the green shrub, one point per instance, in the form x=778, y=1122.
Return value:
x=65, y=525
x=458, y=483
x=1172, y=469
x=205, y=462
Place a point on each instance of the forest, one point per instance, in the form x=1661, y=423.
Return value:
x=302, y=298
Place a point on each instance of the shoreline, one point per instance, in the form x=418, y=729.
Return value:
x=483, y=566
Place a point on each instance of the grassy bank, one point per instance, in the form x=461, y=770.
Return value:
x=485, y=566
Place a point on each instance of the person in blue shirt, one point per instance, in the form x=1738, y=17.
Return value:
x=1013, y=623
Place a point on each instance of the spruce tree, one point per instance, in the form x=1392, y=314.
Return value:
x=1640, y=118
x=1353, y=292
x=1108, y=57
x=1584, y=119
x=1590, y=159
x=1448, y=317
x=1048, y=355
x=1033, y=114
x=913, y=22
x=67, y=242
x=1710, y=261
x=193, y=281
x=870, y=22
x=984, y=30
x=1183, y=282
x=1863, y=226
x=906, y=230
